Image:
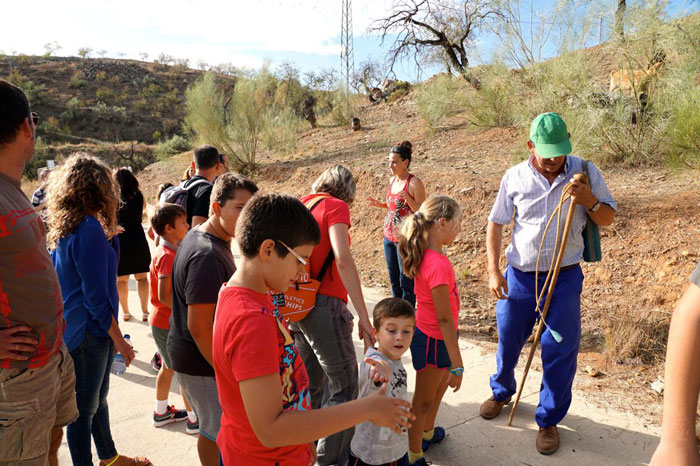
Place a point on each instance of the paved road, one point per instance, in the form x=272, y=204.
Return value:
x=589, y=435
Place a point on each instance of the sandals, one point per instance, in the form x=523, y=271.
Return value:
x=126, y=460
x=127, y=316
x=438, y=436
x=144, y=317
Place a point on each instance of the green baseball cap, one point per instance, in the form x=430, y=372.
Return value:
x=549, y=135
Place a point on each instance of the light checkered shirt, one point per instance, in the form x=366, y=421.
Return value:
x=527, y=197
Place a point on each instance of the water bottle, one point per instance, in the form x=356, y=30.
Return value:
x=119, y=363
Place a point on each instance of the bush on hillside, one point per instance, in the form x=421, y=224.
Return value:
x=438, y=99
x=280, y=129
x=173, y=146
x=345, y=108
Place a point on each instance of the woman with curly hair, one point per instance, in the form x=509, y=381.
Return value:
x=82, y=214
x=134, y=254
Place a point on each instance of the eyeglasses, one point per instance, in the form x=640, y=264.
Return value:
x=35, y=118
x=292, y=252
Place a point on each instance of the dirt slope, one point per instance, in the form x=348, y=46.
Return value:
x=628, y=297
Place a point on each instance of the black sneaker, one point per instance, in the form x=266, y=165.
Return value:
x=170, y=415
x=192, y=428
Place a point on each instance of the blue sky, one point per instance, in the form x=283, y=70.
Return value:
x=244, y=33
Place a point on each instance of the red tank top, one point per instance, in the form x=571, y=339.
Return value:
x=398, y=210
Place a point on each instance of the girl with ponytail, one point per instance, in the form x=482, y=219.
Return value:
x=434, y=348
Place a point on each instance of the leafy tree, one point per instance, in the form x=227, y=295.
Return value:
x=84, y=52
x=51, y=48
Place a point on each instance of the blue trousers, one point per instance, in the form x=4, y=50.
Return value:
x=401, y=285
x=516, y=317
x=92, y=360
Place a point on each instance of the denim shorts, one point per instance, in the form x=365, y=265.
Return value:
x=428, y=351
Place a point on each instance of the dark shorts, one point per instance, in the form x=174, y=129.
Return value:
x=428, y=351
x=355, y=461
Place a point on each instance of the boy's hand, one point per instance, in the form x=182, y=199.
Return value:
x=454, y=381
x=380, y=372
x=386, y=411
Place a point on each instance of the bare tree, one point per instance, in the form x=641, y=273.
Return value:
x=430, y=30
x=102, y=53
x=619, y=19
x=526, y=32
x=143, y=55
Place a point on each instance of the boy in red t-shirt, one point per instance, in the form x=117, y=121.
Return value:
x=170, y=223
x=262, y=383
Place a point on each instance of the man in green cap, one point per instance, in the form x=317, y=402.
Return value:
x=529, y=193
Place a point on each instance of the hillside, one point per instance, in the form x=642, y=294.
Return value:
x=628, y=297
x=102, y=99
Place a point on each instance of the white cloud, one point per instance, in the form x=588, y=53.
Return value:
x=241, y=32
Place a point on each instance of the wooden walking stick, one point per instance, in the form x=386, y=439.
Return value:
x=555, y=275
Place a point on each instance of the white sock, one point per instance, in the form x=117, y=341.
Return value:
x=191, y=416
x=161, y=406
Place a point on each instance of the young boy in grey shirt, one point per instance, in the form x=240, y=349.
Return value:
x=394, y=320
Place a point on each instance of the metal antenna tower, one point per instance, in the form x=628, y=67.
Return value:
x=347, y=56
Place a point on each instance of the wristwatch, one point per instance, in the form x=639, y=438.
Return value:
x=458, y=371
x=595, y=207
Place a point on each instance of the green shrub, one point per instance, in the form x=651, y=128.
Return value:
x=104, y=94
x=175, y=145
x=280, y=129
x=495, y=103
x=76, y=81
x=438, y=99
x=235, y=130
x=73, y=104
x=109, y=112
x=345, y=108
x=397, y=94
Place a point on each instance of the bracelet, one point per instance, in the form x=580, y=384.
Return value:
x=458, y=371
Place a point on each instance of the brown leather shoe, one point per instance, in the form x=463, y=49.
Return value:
x=492, y=408
x=547, y=440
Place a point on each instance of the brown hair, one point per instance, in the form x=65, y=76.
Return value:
x=226, y=185
x=391, y=307
x=166, y=214
x=279, y=217
x=414, y=232
x=82, y=185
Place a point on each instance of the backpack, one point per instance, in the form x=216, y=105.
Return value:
x=591, y=233
x=300, y=297
x=179, y=194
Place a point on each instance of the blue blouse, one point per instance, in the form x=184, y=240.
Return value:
x=86, y=264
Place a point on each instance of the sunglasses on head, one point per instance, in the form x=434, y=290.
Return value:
x=35, y=118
